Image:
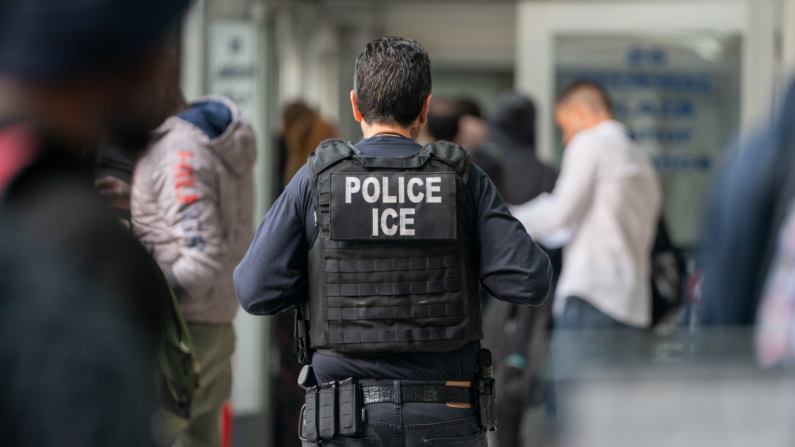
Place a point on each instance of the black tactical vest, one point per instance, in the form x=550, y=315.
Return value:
x=391, y=267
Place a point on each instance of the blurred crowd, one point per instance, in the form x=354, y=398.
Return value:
x=124, y=210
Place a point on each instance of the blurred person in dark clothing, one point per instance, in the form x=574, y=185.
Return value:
x=519, y=336
x=748, y=209
x=443, y=116
x=74, y=365
x=459, y=121
x=113, y=176
x=78, y=333
x=472, y=135
x=472, y=128
x=512, y=127
x=768, y=239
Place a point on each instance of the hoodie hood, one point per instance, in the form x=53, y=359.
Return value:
x=224, y=131
x=513, y=122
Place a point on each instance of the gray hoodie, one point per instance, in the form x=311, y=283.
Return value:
x=192, y=206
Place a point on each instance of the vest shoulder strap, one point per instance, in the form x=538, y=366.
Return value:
x=452, y=155
x=328, y=153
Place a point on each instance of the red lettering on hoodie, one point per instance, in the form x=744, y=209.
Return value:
x=184, y=172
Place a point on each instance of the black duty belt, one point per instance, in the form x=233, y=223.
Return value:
x=443, y=393
x=338, y=408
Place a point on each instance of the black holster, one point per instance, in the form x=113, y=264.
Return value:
x=486, y=394
x=300, y=336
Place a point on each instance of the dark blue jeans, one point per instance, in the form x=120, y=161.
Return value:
x=415, y=425
x=580, y=314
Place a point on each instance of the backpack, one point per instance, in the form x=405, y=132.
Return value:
x=667, y=275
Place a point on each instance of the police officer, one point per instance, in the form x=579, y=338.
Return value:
x=381, y=247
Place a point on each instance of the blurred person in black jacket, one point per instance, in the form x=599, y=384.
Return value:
x=472, y=135
x=443, y=116
x=113, y=176
x=512, y=127
x=518, y=336
x=80, y=297
x=750, y=203
x=460, y=121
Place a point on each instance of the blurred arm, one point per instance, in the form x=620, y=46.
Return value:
x=270, y=277
x=552, y=218
x=513, y=267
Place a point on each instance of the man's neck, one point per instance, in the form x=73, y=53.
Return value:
x=371, y=130
x=594, y=123
x=599, y=120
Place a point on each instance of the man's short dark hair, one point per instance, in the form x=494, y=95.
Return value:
x=392, y=78
x=443, y=117
x=587, y=84
x=468, y=106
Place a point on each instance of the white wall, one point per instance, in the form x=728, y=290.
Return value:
x=458, y=34
x=308, y=55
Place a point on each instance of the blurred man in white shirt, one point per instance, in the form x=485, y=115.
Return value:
x=604, y=210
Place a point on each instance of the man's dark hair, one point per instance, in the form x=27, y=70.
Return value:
x=593, y=86
x=55, y=40
x=443, y=116
x=468, y=106
x=392, y=78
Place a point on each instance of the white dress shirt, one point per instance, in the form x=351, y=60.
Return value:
x=604, y=210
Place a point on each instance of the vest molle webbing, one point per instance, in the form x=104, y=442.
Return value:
x=392, y=266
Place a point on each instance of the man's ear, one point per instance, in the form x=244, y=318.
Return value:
x=426, y=104
x=356, y=114
x=583, y=112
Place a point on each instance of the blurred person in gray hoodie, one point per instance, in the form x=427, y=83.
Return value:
x=192, y=206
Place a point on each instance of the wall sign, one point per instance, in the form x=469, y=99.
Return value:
x=678, y=94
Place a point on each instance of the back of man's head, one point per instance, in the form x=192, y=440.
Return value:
x=391, y=80
x=56, y=40
x=85, y=68
x=443, y=118
x=468, y=106
x=513, y=121
x=589, y=93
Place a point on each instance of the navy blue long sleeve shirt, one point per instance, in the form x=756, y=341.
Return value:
x=511, y=267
